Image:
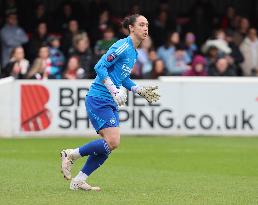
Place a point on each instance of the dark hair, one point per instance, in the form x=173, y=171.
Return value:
x=44, y=44
x=129, y=20
x=168, y=38
x=154, y=73
x=109, y=29
x=180, y=47
x=10, y=13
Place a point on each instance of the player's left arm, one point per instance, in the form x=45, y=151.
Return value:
x=150, y=93
x=128, y=83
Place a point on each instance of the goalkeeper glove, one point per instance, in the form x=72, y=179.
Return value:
x=119, y=95
x=150, y=93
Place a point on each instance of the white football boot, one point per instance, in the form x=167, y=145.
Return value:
x=82, y=185
x=67, y=163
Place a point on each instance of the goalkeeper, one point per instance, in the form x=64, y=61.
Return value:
x=104, y=98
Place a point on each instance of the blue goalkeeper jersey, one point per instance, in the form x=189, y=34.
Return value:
x=117, y=64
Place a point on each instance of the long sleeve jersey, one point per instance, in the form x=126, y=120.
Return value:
x=117, y=64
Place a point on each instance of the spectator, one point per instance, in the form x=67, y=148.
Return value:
x=198, y=67
x=95, y=8
x=70, y=33
x=17, y=66
x=225, y=47
x=135, y=8
x=144, y=70
x=191, y=47
x=220, y=34
x=11, y=36
x=242, y=30
x=249, y=49
x=227, y=22
x=166, y=51
x=212, y=55
x=244, y=26
x=42, y=67
x=201, y=16
x=221, y=68
x=38, y=38
x=73, y=69
x=63, y=18
x=179, y=62
x=83, y=51
x=103, y=23
x=236, y=22
x=158, y=69
x=108, y=40
x=39, y=16
x=160, y=24
x=236, y=57
x=56, y=55
x=219, y=42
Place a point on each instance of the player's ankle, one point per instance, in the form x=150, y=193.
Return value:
x=75, y=154
x=80, y=176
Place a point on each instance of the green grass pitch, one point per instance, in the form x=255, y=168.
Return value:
x=144, y=170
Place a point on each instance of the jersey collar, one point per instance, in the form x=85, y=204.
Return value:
x=130, y=41
x=131, y=44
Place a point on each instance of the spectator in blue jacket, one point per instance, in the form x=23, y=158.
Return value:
x=11, y=36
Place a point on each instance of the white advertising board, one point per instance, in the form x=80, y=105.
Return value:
x=208, y=106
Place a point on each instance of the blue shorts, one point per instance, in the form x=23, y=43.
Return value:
x=102, y=113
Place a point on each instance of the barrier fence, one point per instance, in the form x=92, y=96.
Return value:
x=188, y=106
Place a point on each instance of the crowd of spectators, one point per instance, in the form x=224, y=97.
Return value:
x=67, y=45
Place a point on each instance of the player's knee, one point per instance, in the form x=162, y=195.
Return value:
x=112, y=137
x=113, y=143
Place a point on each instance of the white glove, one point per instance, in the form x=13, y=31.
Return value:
x=150, y=93
x=119, y=95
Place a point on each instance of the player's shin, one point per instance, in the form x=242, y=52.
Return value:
x=93, y=162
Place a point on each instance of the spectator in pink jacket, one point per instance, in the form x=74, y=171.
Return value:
x=198, y=67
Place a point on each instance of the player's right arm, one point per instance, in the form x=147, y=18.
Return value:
x=112, y=56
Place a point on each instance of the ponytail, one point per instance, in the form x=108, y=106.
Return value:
x=129, y=20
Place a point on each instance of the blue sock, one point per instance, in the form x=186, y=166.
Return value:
x=98, y=152
x=93, y=162
x=96, y=147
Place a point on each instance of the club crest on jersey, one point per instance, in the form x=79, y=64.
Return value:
x=112, y=120
x=111, y=57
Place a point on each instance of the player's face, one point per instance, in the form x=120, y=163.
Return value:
x=140, y=28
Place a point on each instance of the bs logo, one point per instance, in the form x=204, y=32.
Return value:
x=34, y=115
